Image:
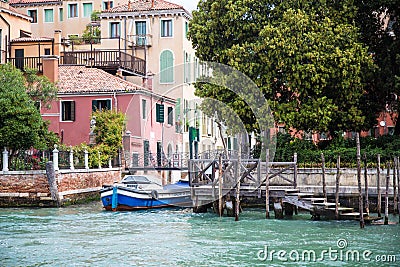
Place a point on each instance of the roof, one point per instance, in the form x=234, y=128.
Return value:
x=32, y=2
x=79, y=79
x=32, y=39
x=82, y=80
x=144, y=5
x=12, y=11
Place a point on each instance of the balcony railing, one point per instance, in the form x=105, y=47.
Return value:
x=27, y=63
x=140, y=40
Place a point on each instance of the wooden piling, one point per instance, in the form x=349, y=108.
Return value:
x=360, y=196
x=237, y=207
x=337, y=188
x=366, y=184
x=323, y=176
x=267, y=185
x=387, y=193
x=378, y=186
x=395, y=167
x=398, y=187
x=51, y=178
x=220, y=207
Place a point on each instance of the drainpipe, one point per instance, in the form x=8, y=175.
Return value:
x=9, y=36
x=115, y=101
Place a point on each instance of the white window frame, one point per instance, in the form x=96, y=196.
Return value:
x=68, y=10
x=44, y=15
x=37, y=15
x=61, y=111
x=104, y=99
x=119, y=29
x=172, y=28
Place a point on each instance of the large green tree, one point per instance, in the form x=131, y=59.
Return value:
x=379, y=23
x=304, y=56
x=21, y=126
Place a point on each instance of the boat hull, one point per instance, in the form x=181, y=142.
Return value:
x=120, y=198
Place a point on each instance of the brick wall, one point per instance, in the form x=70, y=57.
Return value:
x=31, y=188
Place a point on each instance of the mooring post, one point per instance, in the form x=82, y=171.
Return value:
x=398, y=187
x=237, y=206
x=5, y=160
x=337, y=188
x=323, y=176
x=395, y=167
x=51, y=178
x=366, y=184
x=55, y=158
x=387, y=193
x=220, y=210
x=360, y=196
x=86, y=159
x=267, y=184
x=378, y=186
x=295, y=170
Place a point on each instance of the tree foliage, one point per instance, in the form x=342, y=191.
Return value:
x=305, y=57
x=39, y=88
x=108, y=130
x=21, y=126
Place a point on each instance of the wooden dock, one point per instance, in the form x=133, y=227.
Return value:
x=214, y=184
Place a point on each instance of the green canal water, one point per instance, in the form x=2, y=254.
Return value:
x=88, y=236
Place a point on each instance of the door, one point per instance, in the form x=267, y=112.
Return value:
x=141, y=33
x=19, y=59
x=146, y=154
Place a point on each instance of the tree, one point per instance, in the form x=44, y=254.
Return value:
x=39, y=88
x=21, y=126
x=379, y=23
x=305, y=57
x=108, y=130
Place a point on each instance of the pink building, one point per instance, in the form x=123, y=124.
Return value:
x=82, y=90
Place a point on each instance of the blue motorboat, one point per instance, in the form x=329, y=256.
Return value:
x=136, y=192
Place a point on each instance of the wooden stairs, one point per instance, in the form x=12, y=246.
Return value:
x=321, y=207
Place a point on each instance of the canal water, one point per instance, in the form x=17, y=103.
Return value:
x=86, y=235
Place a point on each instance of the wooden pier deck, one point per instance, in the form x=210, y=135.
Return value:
x=251, y=176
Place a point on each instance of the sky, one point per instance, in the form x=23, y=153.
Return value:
x=189, y=5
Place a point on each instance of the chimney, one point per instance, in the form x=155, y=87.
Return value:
x=50, y=67
x=148, y=81
x=152, y=3
x=57, y=42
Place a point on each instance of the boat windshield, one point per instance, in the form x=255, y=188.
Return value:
x=135, y=179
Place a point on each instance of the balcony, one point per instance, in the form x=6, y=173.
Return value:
x=94, y=53
x=140, y=40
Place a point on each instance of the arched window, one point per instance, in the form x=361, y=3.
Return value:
x=166, y=67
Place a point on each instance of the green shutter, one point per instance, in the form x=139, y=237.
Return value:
x=160, y=113
x=166, y=67
x=73, y=111
x=87, y=9
x=48, y=15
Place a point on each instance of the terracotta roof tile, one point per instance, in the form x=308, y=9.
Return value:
x=79, y=79
x=144, y=5
x=25, y=2
x=31, y=39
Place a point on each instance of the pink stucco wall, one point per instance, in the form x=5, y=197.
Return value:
x=77, y=132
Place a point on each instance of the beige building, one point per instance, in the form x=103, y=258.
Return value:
x=12, y=25
x=71, y=17
x=156, y=30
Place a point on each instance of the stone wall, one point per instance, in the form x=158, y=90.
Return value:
x=31, y=188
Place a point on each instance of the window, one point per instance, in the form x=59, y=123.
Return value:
x=101, y=104
x=170, y=116
x=166, y=28
x=87, y=10
x=166, y=67
x=159, y=113
x=48, y=15
x=108, y=5
x=33, y=15
x=72, y=10
x=67, y=110
x=47, y=51
x=140, y=32
x=114, y=29
x=61, y=14
x=186, y=29
x=187, y=68
x=144, y=109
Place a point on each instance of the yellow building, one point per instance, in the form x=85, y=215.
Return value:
x=12, y=25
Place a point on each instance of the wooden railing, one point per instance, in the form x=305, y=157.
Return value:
x=27, y=62
x=105, y=59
